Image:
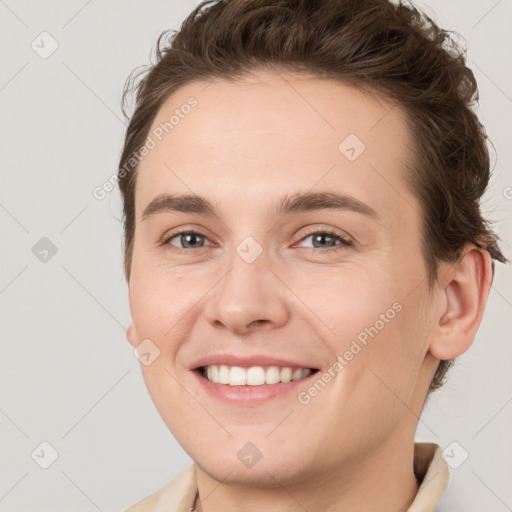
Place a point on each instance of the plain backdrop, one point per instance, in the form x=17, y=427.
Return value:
x=68, y=377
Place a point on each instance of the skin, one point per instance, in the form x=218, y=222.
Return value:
x=246, y=144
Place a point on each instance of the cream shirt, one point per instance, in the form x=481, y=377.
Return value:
x=180, y=494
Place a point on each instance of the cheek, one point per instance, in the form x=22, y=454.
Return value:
x=395, y=356
x=156, y=296
x=350, y=302
x=371, y=324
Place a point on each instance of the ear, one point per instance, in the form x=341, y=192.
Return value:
x=464, y=296
x=131, y=335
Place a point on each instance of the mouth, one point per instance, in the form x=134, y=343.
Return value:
x=254, y=375
x=243, y=380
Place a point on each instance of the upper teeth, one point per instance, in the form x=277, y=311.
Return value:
x=253, y=376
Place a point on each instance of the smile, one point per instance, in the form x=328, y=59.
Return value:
x=254, y=375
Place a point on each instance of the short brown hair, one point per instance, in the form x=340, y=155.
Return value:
x=389, y=47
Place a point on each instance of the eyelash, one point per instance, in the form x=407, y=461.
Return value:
x=344, y=243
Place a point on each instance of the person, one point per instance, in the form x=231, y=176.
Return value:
x=305, y=250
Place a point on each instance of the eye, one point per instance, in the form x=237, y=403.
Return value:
x=189, y=240
x=327, y=240
x=322, y=239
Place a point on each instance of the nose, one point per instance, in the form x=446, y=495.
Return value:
x=249, y=297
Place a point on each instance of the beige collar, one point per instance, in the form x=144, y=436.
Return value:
x=430, y=468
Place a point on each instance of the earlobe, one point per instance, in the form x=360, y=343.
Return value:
x=463, y=305
x=131, y=335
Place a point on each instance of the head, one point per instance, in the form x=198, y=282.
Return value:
x=327, y=160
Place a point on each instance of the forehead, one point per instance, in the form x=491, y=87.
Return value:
x=288, y=130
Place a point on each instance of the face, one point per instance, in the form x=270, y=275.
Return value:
x=303, y=252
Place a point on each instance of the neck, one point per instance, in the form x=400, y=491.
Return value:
x=382, y=480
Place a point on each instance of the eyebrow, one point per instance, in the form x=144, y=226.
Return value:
x=295, y=203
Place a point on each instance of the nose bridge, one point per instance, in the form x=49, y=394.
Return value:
x=248, y=294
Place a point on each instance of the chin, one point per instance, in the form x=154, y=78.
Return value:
x=267, y=474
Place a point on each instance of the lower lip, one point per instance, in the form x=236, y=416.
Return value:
x=251, y=395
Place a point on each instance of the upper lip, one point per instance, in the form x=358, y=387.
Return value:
x=247, y=361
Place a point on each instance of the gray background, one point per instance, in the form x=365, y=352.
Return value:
x=67, y=374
